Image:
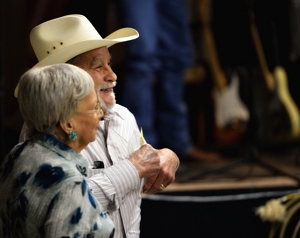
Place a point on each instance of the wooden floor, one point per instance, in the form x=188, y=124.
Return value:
x=269, y=169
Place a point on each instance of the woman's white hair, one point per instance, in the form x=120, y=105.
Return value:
x=49, y=95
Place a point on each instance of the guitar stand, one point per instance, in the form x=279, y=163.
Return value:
x=251, y=157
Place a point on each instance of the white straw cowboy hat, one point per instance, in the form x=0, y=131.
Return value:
x=61, y=39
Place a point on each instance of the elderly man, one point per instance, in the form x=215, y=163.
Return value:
x=121, y=167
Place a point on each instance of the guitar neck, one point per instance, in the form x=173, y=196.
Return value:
x=217, y=72
x=268, y=76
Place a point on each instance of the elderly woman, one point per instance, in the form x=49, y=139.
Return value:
x=44, y=191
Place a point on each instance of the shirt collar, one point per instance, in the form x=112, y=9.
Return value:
x=111, y=113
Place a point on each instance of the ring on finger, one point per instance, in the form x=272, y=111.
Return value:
x=162, y=187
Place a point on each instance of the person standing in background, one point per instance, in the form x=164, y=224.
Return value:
x=153, y=79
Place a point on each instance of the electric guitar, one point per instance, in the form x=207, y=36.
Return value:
x=231, y=114
x=282, y=119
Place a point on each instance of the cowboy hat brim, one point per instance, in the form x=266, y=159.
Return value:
x=67, y=53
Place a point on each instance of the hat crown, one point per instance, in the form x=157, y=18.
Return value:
x=57, y=34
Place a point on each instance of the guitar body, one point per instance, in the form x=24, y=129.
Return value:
x=286, y=99
x=230, y=113
x=229, y=136
x=277, y=121
x=280, y=115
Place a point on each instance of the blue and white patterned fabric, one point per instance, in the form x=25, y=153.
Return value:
x=44, y=193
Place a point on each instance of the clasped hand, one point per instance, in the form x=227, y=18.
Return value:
x=157, y=166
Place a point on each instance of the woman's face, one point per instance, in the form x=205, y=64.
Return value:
x=86, y=120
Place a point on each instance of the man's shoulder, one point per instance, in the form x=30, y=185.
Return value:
x=122, y=111
x=119, y=107
x=124, y=117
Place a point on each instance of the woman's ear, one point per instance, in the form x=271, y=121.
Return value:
x=66, y=127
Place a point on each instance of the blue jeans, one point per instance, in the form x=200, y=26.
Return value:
x=153, y=87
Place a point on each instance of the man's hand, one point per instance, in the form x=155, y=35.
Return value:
x=146, y=161
x=169, y=163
